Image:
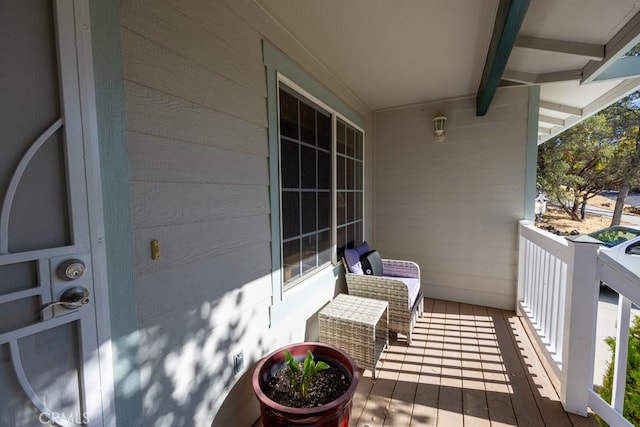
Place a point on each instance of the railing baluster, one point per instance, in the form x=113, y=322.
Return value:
x=553, y=327
x=561, y=314
x=622, y=350
x=536, y=284
x=545, y=298
x=557, y=293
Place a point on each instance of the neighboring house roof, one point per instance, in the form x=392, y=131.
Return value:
x=390, y=54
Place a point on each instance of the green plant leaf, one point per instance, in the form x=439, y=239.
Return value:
x=321, y=366
x=291, y=362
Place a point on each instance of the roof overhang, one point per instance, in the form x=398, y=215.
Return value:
x=580, y=71
x=391, y=54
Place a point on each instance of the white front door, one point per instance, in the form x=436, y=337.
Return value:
x=51, y=277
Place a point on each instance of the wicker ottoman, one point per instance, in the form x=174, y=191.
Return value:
x=358, y=326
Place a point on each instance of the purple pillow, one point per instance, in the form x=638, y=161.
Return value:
x=352, y=256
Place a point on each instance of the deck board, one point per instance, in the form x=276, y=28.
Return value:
x=467, y=366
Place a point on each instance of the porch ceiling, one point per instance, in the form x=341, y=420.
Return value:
x=392, y=54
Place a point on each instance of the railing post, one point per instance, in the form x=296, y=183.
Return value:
x=522, y=260
x=581, y=305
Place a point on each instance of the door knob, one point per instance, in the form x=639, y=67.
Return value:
x=75, y=297
x=70, y=269
x=72, y=298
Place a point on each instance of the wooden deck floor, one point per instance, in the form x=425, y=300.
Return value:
x=467, y=366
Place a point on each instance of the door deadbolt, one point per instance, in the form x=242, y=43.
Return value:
x=70, y=269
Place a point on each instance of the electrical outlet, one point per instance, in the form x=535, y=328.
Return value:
x=238, y=363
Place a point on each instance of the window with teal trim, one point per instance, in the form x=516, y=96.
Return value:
x=308, y=185
x=305, y=186
x=350, y=189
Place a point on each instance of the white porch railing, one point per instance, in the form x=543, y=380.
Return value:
x=558, y=291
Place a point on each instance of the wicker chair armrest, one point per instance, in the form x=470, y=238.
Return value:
x=380, y=288
x=400, y=268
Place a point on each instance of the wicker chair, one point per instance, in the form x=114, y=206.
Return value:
x=402, y=316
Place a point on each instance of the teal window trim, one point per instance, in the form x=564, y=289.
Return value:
x=277, y=63
x=531, y=153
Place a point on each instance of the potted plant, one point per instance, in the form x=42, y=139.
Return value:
x=292, y=383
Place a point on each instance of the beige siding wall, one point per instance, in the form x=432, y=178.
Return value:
x=453, y=206
x=198, y=152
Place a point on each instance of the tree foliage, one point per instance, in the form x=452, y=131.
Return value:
x=577, y=164
x=602, y=152
x=624, y=117
x=632, y=391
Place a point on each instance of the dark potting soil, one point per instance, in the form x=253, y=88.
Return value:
x=326, y=386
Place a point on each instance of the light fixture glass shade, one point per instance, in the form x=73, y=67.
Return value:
x=438, y=127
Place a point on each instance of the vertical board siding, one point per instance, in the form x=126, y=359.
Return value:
x=453, y=206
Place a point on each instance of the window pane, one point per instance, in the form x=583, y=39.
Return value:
x=341, y=210
x=340, y=137
x=358, y=202
x=351, y=236
x=351, y=183
x=359, y=232
x=341, y=240
x=309, y=252
x=324, y=247
x=324, y=210
x=342, y=179
x=324, y=131
x=308, y=167
x=307, y=124
x=308, y=212
x=358, y=176
x=289, y=162
x=290, y=214
x=291, y=260
x=359, y=146
x=351, y=141
x=324, y=170
x=351, y=214
x=288, y=115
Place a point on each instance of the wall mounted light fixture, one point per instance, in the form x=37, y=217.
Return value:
x=438, y=127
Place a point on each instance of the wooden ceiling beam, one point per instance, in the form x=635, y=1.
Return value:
x=520, y=77
x=566, y=109
x=560, y=76
x=551, y=120
x=588, y=50
x=508, y=21
x=532, y=79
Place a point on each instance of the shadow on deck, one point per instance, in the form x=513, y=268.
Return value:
x=468, y=366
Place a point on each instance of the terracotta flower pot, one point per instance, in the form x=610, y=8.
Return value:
x=335, y=413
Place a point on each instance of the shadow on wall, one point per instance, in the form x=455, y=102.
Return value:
x=187, y=356
x=241, y=407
